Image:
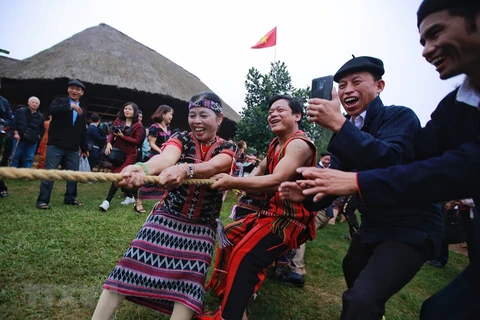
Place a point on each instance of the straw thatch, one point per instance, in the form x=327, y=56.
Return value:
x=102, y=55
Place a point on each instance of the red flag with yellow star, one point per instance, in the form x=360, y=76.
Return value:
x=268, y=40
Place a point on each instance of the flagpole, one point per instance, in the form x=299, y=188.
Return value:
x=275, y=55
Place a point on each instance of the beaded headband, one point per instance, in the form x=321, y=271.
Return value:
x=214, y=106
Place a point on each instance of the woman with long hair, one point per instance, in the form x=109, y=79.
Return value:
x=158, y=135
x=126, y=135
x=165, y=267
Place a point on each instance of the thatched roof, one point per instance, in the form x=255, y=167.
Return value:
x=7, y=64
x=103, y=55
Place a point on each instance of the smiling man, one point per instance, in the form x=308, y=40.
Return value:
x=449, y=146
x=67, y=135
x=391, y=245
x=278, y=227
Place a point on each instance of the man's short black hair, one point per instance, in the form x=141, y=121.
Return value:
x=466, y=7
x=95, y=117
x=294, y=103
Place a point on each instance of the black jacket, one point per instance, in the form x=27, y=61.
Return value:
x=24, y=119
x=62, y=132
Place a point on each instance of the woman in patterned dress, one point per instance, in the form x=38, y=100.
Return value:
x=158, y=135
x=165, y=266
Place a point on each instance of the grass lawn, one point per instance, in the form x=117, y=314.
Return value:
x=53, y=263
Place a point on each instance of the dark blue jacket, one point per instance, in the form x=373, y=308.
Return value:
x=5, y=111
x=94, y=137
x=452, y=139
x=387, y=138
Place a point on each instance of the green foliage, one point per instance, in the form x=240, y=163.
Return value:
x=253, y=127
x=54, y=262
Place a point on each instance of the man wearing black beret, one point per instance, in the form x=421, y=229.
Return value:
x=391, y=245
x=448, y=148
x=67, y=135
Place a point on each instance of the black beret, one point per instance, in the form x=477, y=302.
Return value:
x=76, y=83
x=431, y=6
x=359, y=64
x=325, y=153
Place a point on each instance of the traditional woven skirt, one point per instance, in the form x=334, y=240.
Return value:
x=167, y=262
x=151, y=191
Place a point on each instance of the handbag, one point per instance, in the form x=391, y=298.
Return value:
x=116, y=156
x=31, y=135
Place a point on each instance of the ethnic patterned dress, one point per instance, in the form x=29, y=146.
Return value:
x=168, y=260
x=150, y=191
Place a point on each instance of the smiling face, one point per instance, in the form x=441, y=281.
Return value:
x=448, y=45
x=75, y=93
x=204, y=123
x=128, y=111
x=281, y=118
x=357, y=90
x=325, y=161
x=167, y=118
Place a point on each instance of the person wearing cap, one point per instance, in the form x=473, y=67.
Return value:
x=67, y=135
x=448, y=147
x=324, y=160
x=391, y=245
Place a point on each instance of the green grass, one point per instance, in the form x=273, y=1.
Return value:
x=53, y=263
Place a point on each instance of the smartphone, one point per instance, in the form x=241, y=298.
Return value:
x=322, y=88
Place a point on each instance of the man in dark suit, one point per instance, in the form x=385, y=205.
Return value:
x=448, y=147
x=391, y=245
x=67, y=135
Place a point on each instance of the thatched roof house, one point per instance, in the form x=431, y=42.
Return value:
x=115, y=69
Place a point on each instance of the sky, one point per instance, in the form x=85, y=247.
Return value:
x=212, y=39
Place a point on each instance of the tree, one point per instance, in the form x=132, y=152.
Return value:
x=253, y=128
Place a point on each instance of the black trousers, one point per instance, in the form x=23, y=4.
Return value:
x=375, y=272
x=459, y=300
x=349, y=207
x=3, y=186
x=467, y=224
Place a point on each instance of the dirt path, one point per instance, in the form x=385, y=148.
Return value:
x=459, y=248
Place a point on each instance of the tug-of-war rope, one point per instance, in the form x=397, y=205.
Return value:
x=81, y=176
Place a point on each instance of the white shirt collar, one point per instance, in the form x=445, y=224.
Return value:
x=359, y=120
x=468, y=94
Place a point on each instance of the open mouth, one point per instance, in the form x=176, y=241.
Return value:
x=438, y=61
x=350, y=101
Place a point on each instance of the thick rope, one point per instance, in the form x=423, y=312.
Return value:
x=81, y=176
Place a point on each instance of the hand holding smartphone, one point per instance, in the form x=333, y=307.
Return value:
x=322, y=88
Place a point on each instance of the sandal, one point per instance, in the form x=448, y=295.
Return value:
x=74, y=203
x=43, y=206
x=139, y=208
